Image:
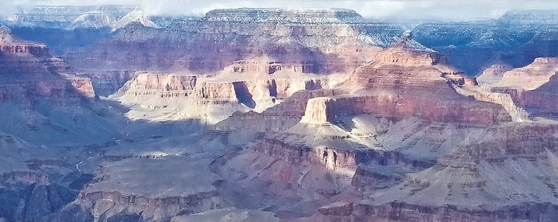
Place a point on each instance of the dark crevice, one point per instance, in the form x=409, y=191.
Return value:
x=243, y=95
x=273, y=88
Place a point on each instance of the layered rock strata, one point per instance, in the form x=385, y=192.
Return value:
x=387, y=120
x=475, y=182
x=28, y=70
x=529, y=77
x=332, y=43
x=530, y=87
x=117, y=190
x=407, y=79
x=215, y=98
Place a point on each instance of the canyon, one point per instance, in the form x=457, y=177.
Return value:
x=317, y=114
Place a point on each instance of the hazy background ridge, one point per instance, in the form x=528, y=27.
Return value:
x=441, y=9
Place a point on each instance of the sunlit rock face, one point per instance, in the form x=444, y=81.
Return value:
x=388, y=119
x=216, y=98
x=530, y=87
x=493, y=74
x=408, y=79
x=318, y=41
x=531, y=76
x=273, y=115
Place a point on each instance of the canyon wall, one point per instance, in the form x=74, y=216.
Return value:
x=28, y=70
x=336, y=42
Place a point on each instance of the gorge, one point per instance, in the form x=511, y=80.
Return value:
x=108, y=113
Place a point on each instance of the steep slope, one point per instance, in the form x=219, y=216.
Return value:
x=408, y=79
x=327, y=45
x=48, y=76
x=515, y=39
x=247, y=85
x=530, y=87
x=50, y=120
x=504, y=176
x=390, y=118
x=277, y=115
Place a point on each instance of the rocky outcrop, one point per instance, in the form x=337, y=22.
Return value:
x=530, y=87
x=28, y=70
x=493, y=74
x=408, y=52
x=191, y=95
x=530, y=77
x=309, y=15
x=24, y=177
x=332, y=158
x=280, y=117
x=82, y=85
x=468, y=187
x=517, y=113
x=118, y=189
x=161, y=85
x=328, y=109
x=541, y=100
x=105, y=205
x=407, y=79
x=212, y=44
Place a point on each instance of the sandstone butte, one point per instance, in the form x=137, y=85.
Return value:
x=299, y=115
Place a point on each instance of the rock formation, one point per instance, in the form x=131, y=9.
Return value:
x=77, y=17
x=41, y=74
x=493, y=74
x=275, y=115
x=529, y=77
x=116, y=190
x=475, y=182
x=530, y=87
x=407, y=79
x=214, y=99
x=337, y=41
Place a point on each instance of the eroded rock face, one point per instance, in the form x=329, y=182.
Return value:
x=216, y=98
x=28, y=70
x=407, y=79
x=542, y=99
x=467, y=175
x=493, y=74
x=303, y=124
x=531, y=76
x=530, y=87
x=334, y=42
x=117, y=189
